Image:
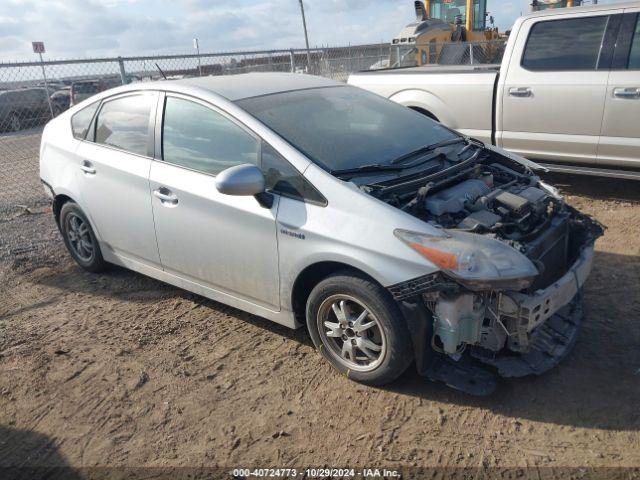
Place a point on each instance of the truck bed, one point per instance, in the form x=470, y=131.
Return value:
x=434, y=69
x=460, y=97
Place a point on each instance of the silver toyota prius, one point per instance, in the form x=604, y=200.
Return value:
x=391, y=238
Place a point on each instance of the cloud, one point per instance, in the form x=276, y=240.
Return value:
x=339, y=6
x=76, y=28
x=93, y=28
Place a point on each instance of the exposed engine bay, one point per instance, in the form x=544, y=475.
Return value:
x=517, y=330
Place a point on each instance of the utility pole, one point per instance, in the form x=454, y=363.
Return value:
x=306, y=36
x=196, y=45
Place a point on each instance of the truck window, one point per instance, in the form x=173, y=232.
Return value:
x=634, y=56
x=448, y=10
x=571, y=44
x=479, y=15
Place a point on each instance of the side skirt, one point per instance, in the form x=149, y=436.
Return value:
x=284, y=317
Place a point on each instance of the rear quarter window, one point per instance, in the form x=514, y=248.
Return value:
x=85, y=87
x=81, y=121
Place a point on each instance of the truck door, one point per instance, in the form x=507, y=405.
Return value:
x=620, y=138
x=554, y=89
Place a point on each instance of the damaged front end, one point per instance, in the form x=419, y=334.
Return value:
x=513, y=258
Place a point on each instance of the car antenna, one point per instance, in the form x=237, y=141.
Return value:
x=161, y=72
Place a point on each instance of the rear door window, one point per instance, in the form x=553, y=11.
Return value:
x=86, y=87
x=124, y=123
x=560, y=45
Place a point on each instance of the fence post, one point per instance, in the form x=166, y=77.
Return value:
x=292, y=60
x=46, y=85
x=123, y=73
x=470, y=53
x=197, y=44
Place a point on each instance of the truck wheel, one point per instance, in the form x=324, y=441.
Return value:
x=422, y=111
x=359, y=329
x=14, y=123
x=80, y=239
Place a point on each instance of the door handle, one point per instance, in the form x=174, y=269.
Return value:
x=520, y=92
x=626, y=92
x=87, y=168
x=165, y=196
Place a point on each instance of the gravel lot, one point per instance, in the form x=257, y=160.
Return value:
x=120, y=370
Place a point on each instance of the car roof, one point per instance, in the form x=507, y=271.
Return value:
x=246, y=85
x=583, y=9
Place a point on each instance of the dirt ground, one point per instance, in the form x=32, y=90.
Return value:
x=117, y=369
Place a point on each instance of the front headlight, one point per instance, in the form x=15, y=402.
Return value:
x=475, y=261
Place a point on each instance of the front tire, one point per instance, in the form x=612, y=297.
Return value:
x=79, y=238
x=359, y=329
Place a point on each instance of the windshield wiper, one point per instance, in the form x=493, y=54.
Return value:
x=376, y=167
x=428, y=148
x=394, y=167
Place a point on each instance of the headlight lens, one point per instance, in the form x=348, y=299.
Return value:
x=477, y=262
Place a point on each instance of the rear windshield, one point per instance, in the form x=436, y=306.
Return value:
x=345, y=127
x=85, y=87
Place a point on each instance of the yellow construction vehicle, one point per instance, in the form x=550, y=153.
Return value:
x=538, y=5
x=438, y=25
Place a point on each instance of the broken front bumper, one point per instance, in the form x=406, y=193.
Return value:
x=549, y=318
x=530, y=311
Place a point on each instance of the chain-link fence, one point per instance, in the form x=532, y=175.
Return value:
x=456, y=53
x=32, y=92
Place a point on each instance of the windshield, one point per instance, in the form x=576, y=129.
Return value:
x=342, y=128
x=86, y=87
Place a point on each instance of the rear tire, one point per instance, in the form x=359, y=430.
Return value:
x=79, y=238
x=359, y=328
x=15, y=125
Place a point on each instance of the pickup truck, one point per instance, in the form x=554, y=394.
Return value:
x=567, y=94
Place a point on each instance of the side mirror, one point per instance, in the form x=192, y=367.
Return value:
x=244, y=180
x=241, y=180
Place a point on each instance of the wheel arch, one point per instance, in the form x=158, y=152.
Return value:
x=58, y=202
x=313, y=274
x=426, y=103
x=426, y=113
x=65, y=196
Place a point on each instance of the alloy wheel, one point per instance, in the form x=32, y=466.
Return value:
x=79, y=237
x=351, y=332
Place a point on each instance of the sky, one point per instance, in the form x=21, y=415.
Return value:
x=95, y=28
